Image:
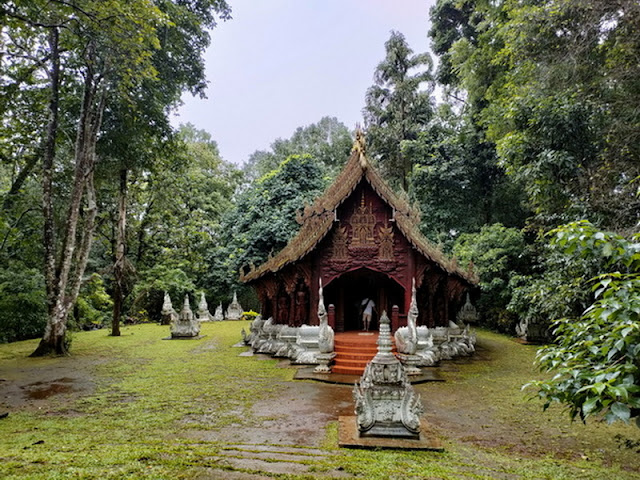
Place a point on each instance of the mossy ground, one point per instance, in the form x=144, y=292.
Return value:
x=141, y=407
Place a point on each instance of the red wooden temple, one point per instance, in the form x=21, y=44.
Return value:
x=363, y=241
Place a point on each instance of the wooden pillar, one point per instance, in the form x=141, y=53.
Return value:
x=331, y=314
x=430, y=313
x=314, y=294
x=274, y=308
x=292, y=308
x=395, y=318
x=446, y=303
x=340, y=319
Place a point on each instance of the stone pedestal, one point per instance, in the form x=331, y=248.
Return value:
x=386, y=404
x=235, y=311
x=168, y=314
x=411, y=363
x=324, y=362
x=186, y=326
x=218, y=316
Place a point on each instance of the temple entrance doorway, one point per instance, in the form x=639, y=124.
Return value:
x=348, y=291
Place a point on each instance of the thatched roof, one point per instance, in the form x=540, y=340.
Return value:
x=318, y=218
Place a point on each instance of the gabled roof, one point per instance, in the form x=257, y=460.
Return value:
x=318, y=218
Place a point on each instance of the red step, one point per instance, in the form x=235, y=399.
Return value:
x=353, y=351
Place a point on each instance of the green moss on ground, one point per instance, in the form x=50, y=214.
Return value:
x=145, y=398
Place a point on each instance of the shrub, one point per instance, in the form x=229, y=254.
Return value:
x=23, y=303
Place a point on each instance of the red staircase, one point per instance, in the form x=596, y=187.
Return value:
x=353, y=351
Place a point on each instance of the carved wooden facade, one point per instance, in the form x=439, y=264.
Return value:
x=362, y=240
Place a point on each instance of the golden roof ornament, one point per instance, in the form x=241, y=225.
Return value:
x=360, y=147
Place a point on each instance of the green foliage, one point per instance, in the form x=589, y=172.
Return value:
x=328, y=142
x=497, y=253
x=596, y=356
x=148, y=293
x=398, y=107
x=94, y=305
x=23, y=312
x=264, y=217
x=563, y=124
x=456, y=181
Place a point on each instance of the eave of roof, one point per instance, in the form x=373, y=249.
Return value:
x=318, y=219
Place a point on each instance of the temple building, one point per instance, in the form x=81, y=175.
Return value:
x=362, y=240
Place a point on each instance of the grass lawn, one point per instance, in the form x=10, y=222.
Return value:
x=141, y=407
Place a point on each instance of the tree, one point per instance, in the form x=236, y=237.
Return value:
x=175, y=215
x=398, y=106
x=136, y=130
x=596, y=357
x=497, y=253
x=328, y=142
x=456, y=182
x=264, y=217
x=111, y=70
x=553, y=84
x=105, y=52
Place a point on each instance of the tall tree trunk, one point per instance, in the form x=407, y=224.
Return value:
x=65, y=284
x=49, y=237
x=119, y=264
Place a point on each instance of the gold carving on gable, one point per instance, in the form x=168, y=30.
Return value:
x=363, y=222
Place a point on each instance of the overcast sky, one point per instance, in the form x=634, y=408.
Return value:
x=282, y=64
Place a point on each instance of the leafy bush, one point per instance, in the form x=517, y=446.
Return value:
x=250, y=315
x=94, y=305
x=596, y=359
x=498, y=253
x=555, y=289
x=23, y=303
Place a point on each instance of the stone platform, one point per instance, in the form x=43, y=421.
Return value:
x=349, y=437
x=184, y=338
x=428, y=374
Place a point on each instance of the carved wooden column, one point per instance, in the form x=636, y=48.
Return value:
x=446, y=303
x=331, y=314
x=395, y=318
x=340, y=320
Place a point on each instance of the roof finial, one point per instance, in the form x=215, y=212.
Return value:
x=360, y=147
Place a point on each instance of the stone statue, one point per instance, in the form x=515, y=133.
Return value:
x=385, y=403
x=203, y=310
x=168, y=314
x=218, y=316
x=407, y=337
x=325, y=343
x=186, y=325
x=467, y=313
x=235, y=311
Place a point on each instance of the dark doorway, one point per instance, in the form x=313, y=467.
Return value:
x=348, y=291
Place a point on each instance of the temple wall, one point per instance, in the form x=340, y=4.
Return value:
x=364, y=236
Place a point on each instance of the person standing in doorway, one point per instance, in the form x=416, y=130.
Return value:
x=367, y=308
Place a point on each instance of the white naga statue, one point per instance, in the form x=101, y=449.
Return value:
x=407, y=337
x=325, y=342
